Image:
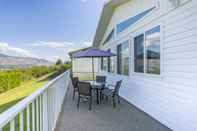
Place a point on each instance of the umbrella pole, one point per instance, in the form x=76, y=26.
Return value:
x=93, y=68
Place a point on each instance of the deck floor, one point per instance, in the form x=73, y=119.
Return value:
x=103, y=117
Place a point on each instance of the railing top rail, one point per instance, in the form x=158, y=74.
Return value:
x=8, y=115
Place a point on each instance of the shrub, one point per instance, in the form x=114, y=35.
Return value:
x=9, y=80
x=13, y=78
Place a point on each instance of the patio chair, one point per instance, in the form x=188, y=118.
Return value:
x=85, y=91
x=101, y=79
x=75, y=81
x=113, y=93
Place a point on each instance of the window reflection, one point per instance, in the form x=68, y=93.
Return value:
x=139, y=54
x=112, y=61
x=123, y=58
x=129, y=22
x=153, y=50
x=105, y=64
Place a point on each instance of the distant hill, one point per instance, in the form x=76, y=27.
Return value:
x=10, y=62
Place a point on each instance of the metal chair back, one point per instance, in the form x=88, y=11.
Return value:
x=117, y=87
x=101, y=79
x=84, y=88
x=75, y=82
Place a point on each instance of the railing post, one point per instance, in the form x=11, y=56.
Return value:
x=45, y=111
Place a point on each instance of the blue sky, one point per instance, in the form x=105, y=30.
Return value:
x=47, y=28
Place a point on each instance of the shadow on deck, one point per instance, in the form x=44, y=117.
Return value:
x=103, y=117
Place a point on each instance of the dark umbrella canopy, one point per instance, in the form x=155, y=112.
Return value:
x=93, y=52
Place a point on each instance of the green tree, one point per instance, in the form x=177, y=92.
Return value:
x=59, y=62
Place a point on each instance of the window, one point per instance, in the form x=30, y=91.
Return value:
x=139, y=54
x=109, y=37
x=123, y=58
x=129, y=22
x=119, y=63
x=153, y=50
x=112, y=62
x=109, y=63
x=105, y=64
x=102, y=66
x=147, y=56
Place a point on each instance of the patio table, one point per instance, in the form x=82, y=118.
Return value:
x=97, y=86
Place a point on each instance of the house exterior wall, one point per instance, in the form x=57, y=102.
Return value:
x=170, y=97
x=84, y=65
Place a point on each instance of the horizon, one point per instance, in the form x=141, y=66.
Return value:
x=47, y=29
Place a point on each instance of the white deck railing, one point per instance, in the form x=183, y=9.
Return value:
x=38, y=112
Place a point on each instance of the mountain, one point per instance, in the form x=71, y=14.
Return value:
x=10, y=62
x=2, y=55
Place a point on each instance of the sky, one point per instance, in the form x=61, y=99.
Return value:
x=47, y=29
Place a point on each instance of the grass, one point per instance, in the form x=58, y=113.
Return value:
x=13, y=96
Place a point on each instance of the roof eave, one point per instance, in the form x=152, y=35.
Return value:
x=105, y=18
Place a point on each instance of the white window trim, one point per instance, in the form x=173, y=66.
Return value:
x=133, y=73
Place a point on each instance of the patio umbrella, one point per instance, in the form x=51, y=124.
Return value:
x=93, y=53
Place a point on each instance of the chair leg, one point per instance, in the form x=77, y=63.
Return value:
x=78, y=101
x=100, y=96
x=106, y=97
x=90, y=103
x=73, y=94
x=118, y=99
x=114, y=101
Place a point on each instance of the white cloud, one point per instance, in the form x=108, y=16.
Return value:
x=87, y=43
x=62, y=45
x=6, y=49
x=53, y=44
x=61, y=48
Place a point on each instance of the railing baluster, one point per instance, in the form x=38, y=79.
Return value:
x=41, y=129
x=37, y=115
x=21, y=121
x=33, y=116
x=12, y=125
x=49, y=111
x=28, y=118
x=45, y=111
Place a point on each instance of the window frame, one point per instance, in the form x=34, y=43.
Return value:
x=101, y=64
x=109, y=63
x=147, y=12
x=145, y=46
x=141, y=20
x=129, y=56
x=143, y=32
